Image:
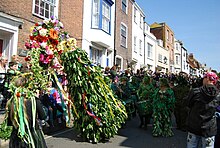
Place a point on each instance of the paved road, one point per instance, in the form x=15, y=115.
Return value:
x=131, y=136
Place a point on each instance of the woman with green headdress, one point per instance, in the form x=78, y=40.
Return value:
x=144, y=103
x=24, y=108
x=163, y=105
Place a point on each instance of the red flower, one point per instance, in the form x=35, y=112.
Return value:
x=28, y=45
x=28, y=58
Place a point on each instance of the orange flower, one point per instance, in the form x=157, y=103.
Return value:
x=18, y=94
x=53, y=33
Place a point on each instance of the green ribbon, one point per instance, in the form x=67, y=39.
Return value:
x=21, y=116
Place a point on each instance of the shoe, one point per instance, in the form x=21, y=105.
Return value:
x=79, y=135
x=59, y=120
x=141, y=126
x=42, y=122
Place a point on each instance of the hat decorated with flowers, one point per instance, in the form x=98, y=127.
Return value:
x=211, y=76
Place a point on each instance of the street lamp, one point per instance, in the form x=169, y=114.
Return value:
x=165, y=60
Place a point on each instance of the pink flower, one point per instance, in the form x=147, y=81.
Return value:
x=41, y=57
x=27, y=45
x=49, y=52
x=46, y=61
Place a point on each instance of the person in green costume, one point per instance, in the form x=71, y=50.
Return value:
x=144, y=103
x=181, y=90
x=163, y=105
x=126, y=96
x=22, y=116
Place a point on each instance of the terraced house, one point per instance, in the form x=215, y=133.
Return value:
x=91, y=23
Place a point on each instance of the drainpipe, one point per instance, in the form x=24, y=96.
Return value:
x=114, y=58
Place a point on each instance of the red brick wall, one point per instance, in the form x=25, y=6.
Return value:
x=158, y=33
x=69, y=13
x=126, y=53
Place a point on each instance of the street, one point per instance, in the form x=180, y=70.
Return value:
x=131, y=136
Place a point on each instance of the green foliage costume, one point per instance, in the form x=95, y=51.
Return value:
x=145, y=93
x=181, y=111
x=144, y=104
x=99, y=114
x=96, y=112
x=163, y=105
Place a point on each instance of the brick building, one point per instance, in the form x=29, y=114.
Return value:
x=17, y=17
x=123, y=33
x=163, y=31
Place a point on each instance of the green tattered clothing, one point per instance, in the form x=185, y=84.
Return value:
x=145, y=93
x=163, y=105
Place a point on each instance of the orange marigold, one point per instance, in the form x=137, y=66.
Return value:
x=53, y=33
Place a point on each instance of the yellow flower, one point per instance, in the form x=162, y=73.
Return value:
x=31, y=29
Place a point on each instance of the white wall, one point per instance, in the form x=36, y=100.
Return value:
x=185, y=65
x=165, y=53
x=150, y=39
x=177, y=56
x=103, y=39
x=138, y=32
x=9, y=34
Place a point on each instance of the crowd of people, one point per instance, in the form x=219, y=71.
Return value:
x=153, y=96
x=194, y=101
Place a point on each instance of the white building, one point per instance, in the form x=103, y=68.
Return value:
x=162, y=58
x=184, y=60
x=98, y=31
x=137, y=37
x=177, y=55
x=150, y=42
x=9, y=28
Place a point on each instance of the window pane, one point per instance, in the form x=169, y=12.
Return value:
x=44, y=8
x=51, y=11
x=123, y=35
x=36, y=10
x=105, y=17
x=46, y=13
x=124, y=5
x=47, y=7
x=95, y=17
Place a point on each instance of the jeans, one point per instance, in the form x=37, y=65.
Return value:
x=194, y=141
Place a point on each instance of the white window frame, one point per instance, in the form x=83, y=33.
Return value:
x=125, y=4
x=135, y=14
x=95, y=13
x=135, y=44
x=149, y=51
x=122, y=34
x=106, y=13
x=141, y=21
x=51, y=4
x=168, y=34
x=140, y=47
x=96, y=56
x=160, y=58
x=121, y=58
x=177, y=59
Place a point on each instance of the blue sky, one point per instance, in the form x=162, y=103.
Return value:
x=195, y=22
